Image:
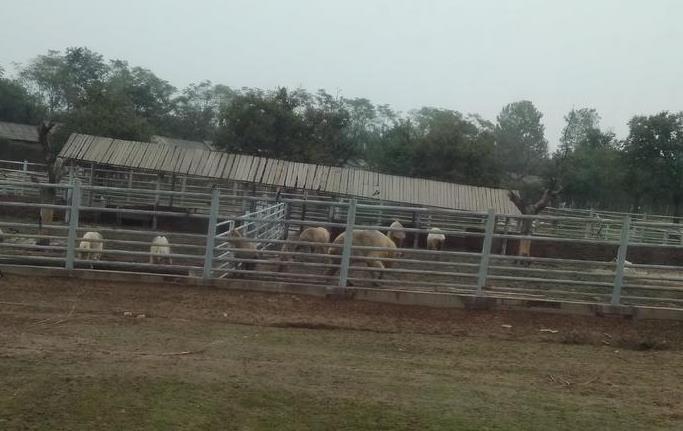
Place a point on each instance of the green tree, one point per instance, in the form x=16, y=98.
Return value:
x=580, y=123
x=17, y=105
x=196, y=110
x=521, y=147
x=291, y=125
x=440, y=144
x=654, y=150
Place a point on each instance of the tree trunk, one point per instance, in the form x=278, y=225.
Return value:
x=526, y=226
x=48, y=195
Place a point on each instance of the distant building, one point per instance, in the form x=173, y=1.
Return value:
x=20, y=142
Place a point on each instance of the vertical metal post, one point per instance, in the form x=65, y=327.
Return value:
x=486, y=251
x=25, y=166
x=90, y=183
x=379, y=213
x=416, y=237
x=130, y=185
x=211, y=233
x=69, y=193
x=183, y=186
x=506, y=230
x=348, y=243
x=621, y=261
x=157, y=187
x=303, y=210
x=170, y=197
x=588, y=229
x=73, y=225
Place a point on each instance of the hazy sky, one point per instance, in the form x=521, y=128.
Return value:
x=622, y=57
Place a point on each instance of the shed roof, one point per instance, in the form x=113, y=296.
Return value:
x=184, y=143
x=18, y=132
x=275, y=172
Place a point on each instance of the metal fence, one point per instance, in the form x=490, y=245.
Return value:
x=479, y=258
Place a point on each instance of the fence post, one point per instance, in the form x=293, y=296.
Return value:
x=486, y=251
x=418, y=225
x=211, y=233
x=73, y=224
x=348, y=243
x=621, y=261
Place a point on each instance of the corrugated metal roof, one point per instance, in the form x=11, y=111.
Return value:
x=18, y=132
x=238, y=167
x=183, y=143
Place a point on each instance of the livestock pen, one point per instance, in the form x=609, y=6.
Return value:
x=479, y=260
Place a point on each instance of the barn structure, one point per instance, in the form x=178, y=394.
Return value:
x=176, y=167
x=20, y=142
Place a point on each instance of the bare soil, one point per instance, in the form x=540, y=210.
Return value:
x=79, y=355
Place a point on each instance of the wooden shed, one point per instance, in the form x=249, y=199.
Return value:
x=178, y=165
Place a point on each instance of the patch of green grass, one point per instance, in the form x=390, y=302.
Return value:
x=113, y=377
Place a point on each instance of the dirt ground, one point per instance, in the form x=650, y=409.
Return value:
x=79, y=355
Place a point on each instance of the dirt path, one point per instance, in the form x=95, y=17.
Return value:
x=214, y=359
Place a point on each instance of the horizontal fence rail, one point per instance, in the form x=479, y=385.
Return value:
x=223, y=232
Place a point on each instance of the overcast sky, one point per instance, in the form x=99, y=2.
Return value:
x=622, y=57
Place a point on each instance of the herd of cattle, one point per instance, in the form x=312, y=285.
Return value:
x=245, y=251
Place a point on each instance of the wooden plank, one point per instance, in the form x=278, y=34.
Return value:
x=177, y=160
x=247, y=168
x=171, y=160
x=151, y=153
x=127, y=153
x=104, y=150
x=280, y=173
x=210, y=168
x=214, y=161
x=308, y=172
x=157, y=155
x=88, y=147
x=293, y=169
x=103, y=155
x=353, y=186
x=145, y=153
x=87, y=143
x=322, y=173
x=299, y=175
x=260, y=168
x=93, y=149
x=227, y=170
x=290, y=174
x=72, y=146
x=335, y=178
x=79, y=145
x=134, y=155
x=238, y=167
x=198, y=159
x=266, y=177
x=184, y=162
x=218, y=167
x=251, y=174
x=202, y=159
x=124, y=148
